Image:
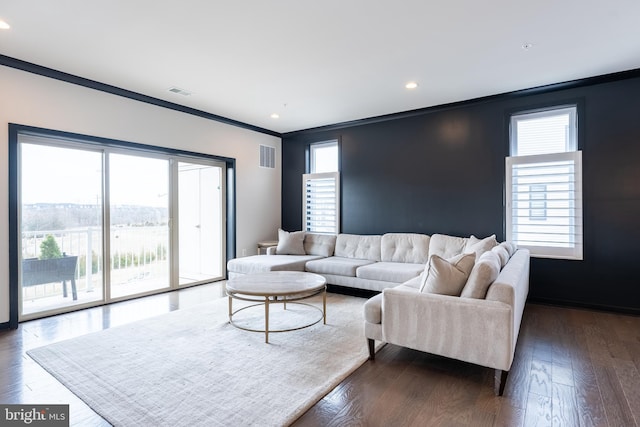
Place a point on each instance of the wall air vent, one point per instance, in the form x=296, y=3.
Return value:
x=179, y=91
x=267, y=157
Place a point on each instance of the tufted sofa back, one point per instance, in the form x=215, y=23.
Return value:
x=405, y=247
x=446, y=246
x=358, y=246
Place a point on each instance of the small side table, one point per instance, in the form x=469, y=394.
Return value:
x=262, y=246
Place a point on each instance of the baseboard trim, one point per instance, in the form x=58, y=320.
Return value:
x=576, y=304
x=5, y=325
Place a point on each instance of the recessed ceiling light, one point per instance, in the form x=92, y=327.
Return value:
x=275, y=116
x=411, y=85
x=527, y=46
x=4, y=25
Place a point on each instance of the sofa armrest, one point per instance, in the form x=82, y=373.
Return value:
x=472, y=330
x=512, y=287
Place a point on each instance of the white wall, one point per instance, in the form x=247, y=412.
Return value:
x=33, y=100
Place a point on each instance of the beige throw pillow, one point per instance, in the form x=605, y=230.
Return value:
x=290, y=243
x=483, y=274
x=447, y=276
x=480, y=246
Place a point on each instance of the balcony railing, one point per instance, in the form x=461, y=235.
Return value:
x=135, y=252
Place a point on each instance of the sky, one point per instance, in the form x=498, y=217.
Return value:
x=64, y=175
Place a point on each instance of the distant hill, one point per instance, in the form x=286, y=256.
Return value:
x=61, y=216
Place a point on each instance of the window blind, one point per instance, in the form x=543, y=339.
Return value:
x=321, y=202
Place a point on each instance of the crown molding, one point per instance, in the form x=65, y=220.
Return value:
x=92, y=84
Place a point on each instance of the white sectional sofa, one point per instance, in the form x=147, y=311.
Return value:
x=357, y=261
x=457, y=297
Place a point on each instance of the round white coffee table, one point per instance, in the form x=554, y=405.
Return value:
x=276, y=287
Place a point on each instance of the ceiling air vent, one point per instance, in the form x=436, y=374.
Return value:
x=179, y=91
x=267, y=157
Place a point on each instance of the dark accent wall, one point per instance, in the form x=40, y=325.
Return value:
x=442, y=171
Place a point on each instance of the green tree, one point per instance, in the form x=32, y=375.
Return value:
x=49, y=248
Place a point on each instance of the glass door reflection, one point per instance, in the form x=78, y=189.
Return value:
x=139, y=224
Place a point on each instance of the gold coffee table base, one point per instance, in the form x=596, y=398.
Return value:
x=266, y=289
x=267, y=305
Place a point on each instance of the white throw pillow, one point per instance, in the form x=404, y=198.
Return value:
x=290, y=243
x=502, y=252
x=510, y=247
x=447, y=276
x=483, y=274
x=480, y=246
x=319, y=244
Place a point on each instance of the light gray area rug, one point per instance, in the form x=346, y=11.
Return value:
x=191, y=367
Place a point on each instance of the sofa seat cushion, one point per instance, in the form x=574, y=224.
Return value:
x=264, y=263
x=395, y=272
x=408, y=287
x=337, y=265
x=415, y=283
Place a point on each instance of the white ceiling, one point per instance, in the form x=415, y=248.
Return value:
x=317, y=63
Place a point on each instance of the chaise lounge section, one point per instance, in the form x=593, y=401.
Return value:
x=296, y=250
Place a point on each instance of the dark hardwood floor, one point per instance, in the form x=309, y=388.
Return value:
x=572, y=367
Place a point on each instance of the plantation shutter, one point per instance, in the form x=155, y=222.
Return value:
x=544, y=203
x=321, y=202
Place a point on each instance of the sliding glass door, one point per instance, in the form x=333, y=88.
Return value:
x=61, y=227
x=100, y=224
x=200, y=213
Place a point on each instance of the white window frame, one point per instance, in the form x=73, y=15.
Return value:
x=314, y=148
x=525, y=224
x=572, y=137
x=321, y=194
